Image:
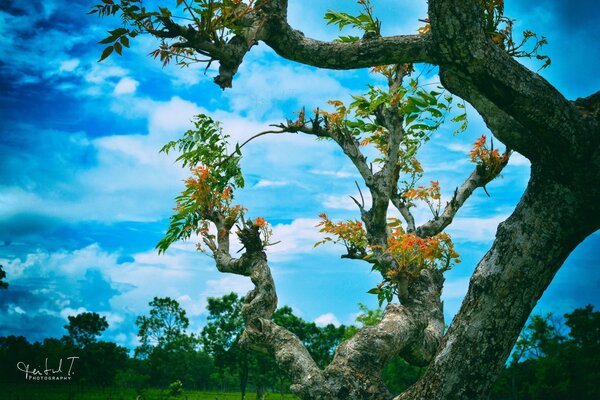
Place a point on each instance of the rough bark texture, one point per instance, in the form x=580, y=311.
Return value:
x=558, y=210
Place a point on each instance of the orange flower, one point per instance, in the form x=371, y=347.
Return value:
x=260, y=222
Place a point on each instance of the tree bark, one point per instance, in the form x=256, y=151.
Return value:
x=530, y=247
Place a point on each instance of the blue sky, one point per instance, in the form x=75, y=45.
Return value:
x=85, y=196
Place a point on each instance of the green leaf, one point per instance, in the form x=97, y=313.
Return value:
x=347, y=39
x=459, y=118
x=107, y=40
x=118, y=32
x=107, y=51
x=118, y=48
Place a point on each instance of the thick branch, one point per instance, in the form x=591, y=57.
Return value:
x=413, y=330
x=529, y=249
x=293, y=45
x=260, y=303
x=489, y=78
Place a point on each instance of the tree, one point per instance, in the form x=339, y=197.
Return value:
x=549, y=364
x=83, y=328
x=3, y=285
x=472, y=44
x=164, y=327
x=220, y=338
x=169, y=351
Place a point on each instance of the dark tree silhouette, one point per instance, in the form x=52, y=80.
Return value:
x=84, y=328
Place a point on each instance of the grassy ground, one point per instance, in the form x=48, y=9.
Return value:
x=64, y=392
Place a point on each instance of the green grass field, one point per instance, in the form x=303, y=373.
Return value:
x=63, y=392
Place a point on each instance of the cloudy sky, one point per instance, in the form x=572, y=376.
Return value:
x=85, y=196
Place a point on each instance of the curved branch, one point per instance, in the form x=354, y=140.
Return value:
x=293, y=45
x=260, y=303
x=543, y=125
x=476, y=180
x=412, y=330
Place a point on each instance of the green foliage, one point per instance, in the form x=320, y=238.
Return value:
x=175, y=388
x=83, y=328
x=364, y=21
x=3, y=285
x=549, y=365
x=420, y=112
x=164, y=327
x=206, y=145
x=214, y=20
x=224, y=326
x=210, y=191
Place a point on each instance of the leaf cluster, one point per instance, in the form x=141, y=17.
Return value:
x=364, y=21
x=489, y=160
x=208, y=193
x=500, y=29
x=350, y=233
x=213, y=21
x=416, y=114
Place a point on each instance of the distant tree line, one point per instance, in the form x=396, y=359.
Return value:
x=553, y=359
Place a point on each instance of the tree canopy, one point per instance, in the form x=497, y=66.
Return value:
x=83, y=328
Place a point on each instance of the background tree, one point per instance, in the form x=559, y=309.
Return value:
x=98, y=361
x=220, y=339
x=164, y=327
x=548, y=363
x=472, y=43
x=3, y=285
x=85, y=327
x=169, y=351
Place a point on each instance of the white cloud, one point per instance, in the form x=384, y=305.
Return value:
x=458, y=147
x=518, y=160
x=260, y=88
x=126, y=86
x=455, y=289
x=184, y=298
x=99, y=73
x=344, y=202
x=68, y=65
x=295, y=238
x=71, y=312
x=336, y=174
x=326, y=319
x=269, y=183
x=475, y=229
x=230, y=283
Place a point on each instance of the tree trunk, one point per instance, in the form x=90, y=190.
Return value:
x=244, y=374
x=530, y=247
x=260, y=392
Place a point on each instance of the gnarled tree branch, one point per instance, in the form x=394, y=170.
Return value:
x=478, y=178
